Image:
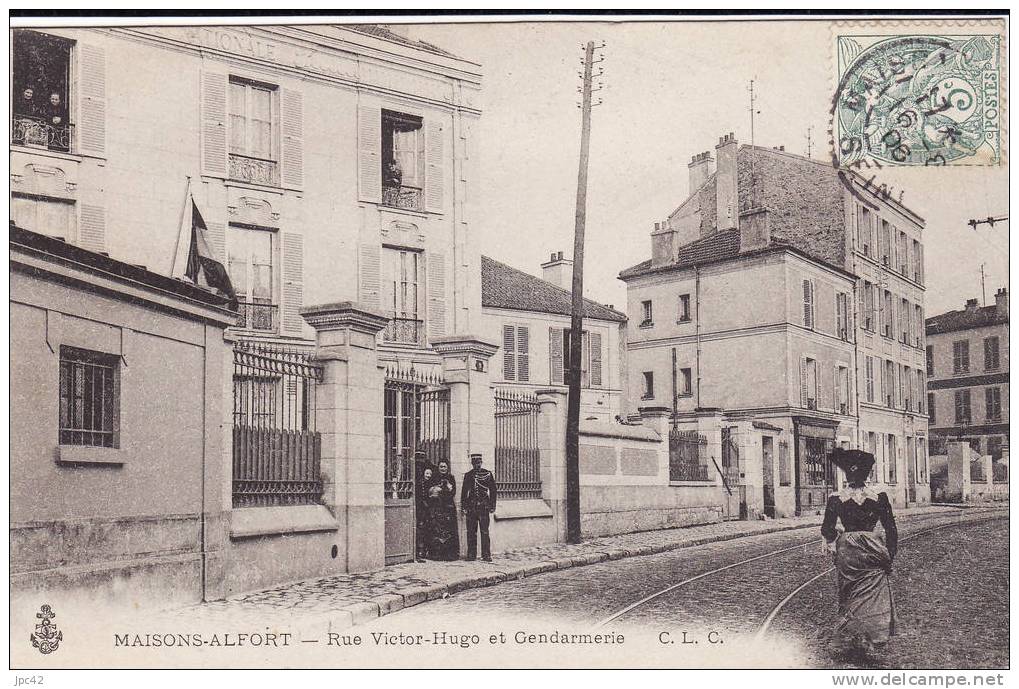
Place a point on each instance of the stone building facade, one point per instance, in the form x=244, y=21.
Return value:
x=967, y=375
x=789, y=301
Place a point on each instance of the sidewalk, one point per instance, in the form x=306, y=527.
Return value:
x=352, y=599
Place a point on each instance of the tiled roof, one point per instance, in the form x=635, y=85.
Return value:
x=715, y=247
x=965, y=319
x=382, y=32
x=503, y=287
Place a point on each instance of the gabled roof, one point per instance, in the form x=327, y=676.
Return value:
x=504, y=287
x=714, y=247
x=965, y=319
x=380, y=31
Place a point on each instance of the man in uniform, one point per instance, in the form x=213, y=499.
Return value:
x=477, y=501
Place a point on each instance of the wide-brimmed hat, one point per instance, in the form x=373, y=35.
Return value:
x=856, y=463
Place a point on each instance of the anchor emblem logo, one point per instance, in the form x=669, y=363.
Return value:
x=46, y=636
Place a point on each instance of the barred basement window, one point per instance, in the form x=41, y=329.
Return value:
x=89, y=398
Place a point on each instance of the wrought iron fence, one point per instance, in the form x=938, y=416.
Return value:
x=255, y=316
x=976, y=471
x=687, y=456
x=416, y=427
x=277, y=451
x=35, y=131
x=404, y=330
x=254, y=170
x=999, y=472
x=409, y=198
x=517, y=457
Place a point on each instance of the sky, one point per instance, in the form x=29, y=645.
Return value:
x=670, y=90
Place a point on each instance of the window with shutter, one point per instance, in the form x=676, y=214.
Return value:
x=92, y=235
x=250, y=267
x=253, y=132
x=401, y=295
x=870, y=378
x=596, y=360
x=555, y=352
x=509, y=339
x=369, y=153
x=369, y=274
x=40, y=93
x=292, y=292
x=992, y=359
x=960, y=356
x=523, y=353
x=648, y=392
x=292, y=141
x=214, y=128
x=808, y=304
x=434, y=167
x=436, y=269
x=931, y=408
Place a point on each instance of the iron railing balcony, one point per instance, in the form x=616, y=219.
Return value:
x=257, y=316
x=254, y=170
x=403, y=196
x=27, y=130
x=404, y=331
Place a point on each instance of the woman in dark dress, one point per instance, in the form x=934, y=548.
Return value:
x=424, y=522
x=445, y=542
x=863, y=555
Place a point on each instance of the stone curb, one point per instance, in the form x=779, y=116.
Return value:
x=385, y=604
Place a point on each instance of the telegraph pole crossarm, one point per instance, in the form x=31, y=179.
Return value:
x=989, y=220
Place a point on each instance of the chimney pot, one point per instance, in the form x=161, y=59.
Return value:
x=971, y=304
x=656, y=227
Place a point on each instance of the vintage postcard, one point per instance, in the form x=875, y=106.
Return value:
x=510, y=342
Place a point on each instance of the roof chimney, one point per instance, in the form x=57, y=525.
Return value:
x=972, y=305
x=558, y=270
x=726, y=186
x=663, y=244
x=1001, y=303
x=701, y=166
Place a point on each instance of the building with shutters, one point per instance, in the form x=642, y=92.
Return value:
x=779, y=294
x=967, y=375
x=530, y=318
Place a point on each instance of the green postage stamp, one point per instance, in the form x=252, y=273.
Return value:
x=919, y=99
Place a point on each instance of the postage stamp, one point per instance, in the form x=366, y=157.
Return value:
x=919, y=99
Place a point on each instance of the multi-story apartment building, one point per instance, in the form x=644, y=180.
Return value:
x=530, y=318
x=967, y=375
x=779, y=293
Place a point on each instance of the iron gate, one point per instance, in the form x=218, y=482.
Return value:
x=517, y=458
x=735, y=506
x=416, y=431
x=277, y=451
x=687, y=456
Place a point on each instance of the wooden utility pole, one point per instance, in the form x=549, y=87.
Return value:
x=577, y=311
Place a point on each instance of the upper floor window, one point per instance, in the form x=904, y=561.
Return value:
x=930, y=360
x=842, y=389
x=41, y=76
x=917, y=261
x=992, y=357
x=931, y=408
x=905, y=321
x=886, y=243
x=647, y=313
x=888, y=316
x=250, y=266
x=992, y=400
x=403, y=159
x=868, y=306
x=903, y=254
x=401, y=282
x=842, y=315
x=808, y=383
x=963, y=412
x=89, y=398
x=918, y=325
x=253, y=132
x=869, y=377
x=684, y=308
x=516, y=344
x=960, y=356
x=808, y=304
x=648, y=393
x=866, y=231
x=52, y=217
x=685, y=382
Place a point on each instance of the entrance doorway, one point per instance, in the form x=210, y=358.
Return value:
x=768, y=465
x=815, y=474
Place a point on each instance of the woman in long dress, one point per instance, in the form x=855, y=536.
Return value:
x=863, y=556
x=445, y=537
x=423, y=507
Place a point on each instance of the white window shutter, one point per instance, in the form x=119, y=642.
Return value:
x=214, y=86
x=292, y=137
x=435, y=177
x=808, y=304
x=92, y=111
x=369, y=274
x=436, y=294
x=523, y=353
x=292, y=292
x=369, y=153
x=596, y=359
x=92, y=228
x=217, y=240
x=803, y=382
x=555, y=353
x=508, y=349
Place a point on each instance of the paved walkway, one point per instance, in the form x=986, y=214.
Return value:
x=351, y=599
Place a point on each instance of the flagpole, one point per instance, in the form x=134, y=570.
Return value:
x=180, y=225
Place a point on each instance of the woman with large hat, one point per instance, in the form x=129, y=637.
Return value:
x=863, y=555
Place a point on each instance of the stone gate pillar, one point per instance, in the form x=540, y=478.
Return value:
x=465, y=361
x=552, y=450
x=349, y=419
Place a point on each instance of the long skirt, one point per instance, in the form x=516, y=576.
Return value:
x=866, y=607
x=445, y=537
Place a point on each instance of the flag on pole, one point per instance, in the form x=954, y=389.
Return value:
x=201, y=267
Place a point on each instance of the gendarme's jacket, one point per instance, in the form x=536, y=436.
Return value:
x=478, y=492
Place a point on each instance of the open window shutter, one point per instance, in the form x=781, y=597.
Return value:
x=369, y=153
x=836, y=396
x=214, y=88
x=523, y=353
x=92, y=228
x=596, y=359
x=508, y=347
x=292, y=139
x=808, y=306
x=803, y=382
x=292, y=292
x=217, y=240
x=838, y=314
x=435, y=178
x=920, y=260
x=369, y=274
x=436, y=294
x=555, y=353
x=92, y=126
